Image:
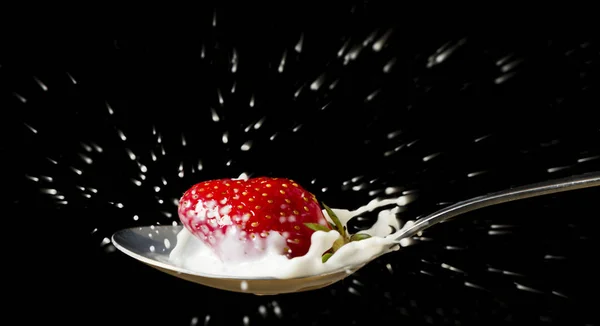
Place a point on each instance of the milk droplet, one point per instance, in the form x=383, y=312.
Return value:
x=262, y=310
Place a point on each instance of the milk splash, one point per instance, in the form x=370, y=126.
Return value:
x=192, y=254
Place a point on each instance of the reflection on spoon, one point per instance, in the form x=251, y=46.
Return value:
x=137, y=243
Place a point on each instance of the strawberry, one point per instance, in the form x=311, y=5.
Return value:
x=252, y=209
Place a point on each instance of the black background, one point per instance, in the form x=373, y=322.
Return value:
x=166, y=76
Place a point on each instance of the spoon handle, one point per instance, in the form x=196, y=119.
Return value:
x=533, y=190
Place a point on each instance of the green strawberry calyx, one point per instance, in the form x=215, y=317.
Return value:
x=344, y=238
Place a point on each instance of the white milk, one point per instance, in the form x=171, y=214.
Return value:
x=192, y=254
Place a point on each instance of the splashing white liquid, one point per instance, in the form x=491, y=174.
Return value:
x=192, y=254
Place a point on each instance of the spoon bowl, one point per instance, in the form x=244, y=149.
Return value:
x=140, y=242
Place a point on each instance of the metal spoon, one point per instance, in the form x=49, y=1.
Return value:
x=143, y=244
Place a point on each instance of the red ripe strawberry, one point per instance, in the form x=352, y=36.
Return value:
x=253, y=208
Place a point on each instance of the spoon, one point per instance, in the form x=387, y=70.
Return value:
x=140, y=242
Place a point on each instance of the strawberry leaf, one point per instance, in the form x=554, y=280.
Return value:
x=359, y=236
x=326, y=256
x=316, y=227
x=340, y=242
x=336, y=220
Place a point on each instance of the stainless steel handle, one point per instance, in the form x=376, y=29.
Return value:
x=533, y=190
